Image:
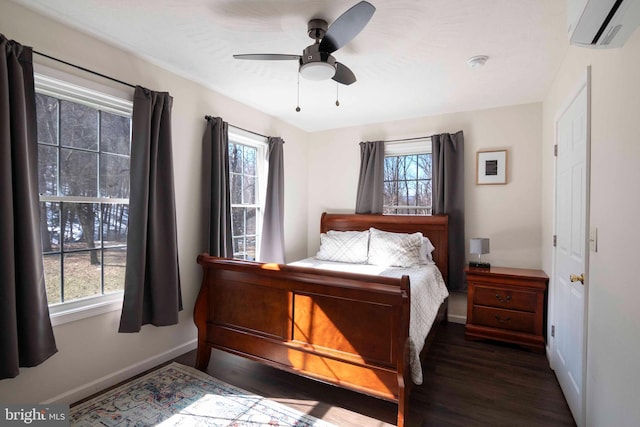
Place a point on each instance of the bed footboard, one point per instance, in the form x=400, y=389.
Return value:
x=347, y=329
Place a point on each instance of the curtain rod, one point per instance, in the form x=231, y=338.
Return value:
x=409, y=139
x=238, y=127
x=84, y=69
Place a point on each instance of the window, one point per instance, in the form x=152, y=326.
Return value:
x=407, y=178
x=84, y=144
x=247, y=170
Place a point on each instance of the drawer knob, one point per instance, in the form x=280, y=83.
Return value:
x=502, y=319
x=503, y=300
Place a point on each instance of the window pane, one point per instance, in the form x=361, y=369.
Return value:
x=402, y=167
x=250, y=226
x=50, y=226
x=47, y=170
x=78, y=126
x=82, y=277
x=250, y=248
x=47, y=119
x=114, y=264
x=424, y=193
x=115, y=219
x=402, y=193
x=391, y=168
x=424, y=166
x=114, y=176
x=410, y=167
x=237, y=221
x=238, y=247
x=390, y=193
x=249, y=190
x=52, y=278
x=78, y=173
x=81, y=227
x=236, y=189
x=114, y=133
x=235, y=158
x=250, y=161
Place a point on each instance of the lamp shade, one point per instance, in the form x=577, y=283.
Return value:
x=479, y=245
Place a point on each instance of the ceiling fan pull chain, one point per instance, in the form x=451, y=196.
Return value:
x=298, y=104
x=337, y=102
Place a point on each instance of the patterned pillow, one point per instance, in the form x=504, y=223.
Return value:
x=344, y=246
x=394, y=249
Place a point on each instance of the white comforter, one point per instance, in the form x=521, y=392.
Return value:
x=428, y=291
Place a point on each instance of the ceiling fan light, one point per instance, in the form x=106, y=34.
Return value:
x=317, y=71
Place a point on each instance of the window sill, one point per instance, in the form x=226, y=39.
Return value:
x=78, y=310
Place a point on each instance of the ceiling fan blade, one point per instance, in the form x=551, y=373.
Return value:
x=344, y=75
x=268, y=56
x=347, y=26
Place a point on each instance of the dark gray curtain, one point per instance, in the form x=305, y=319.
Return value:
x=216, y=146
x=448, y=198
x=152, y=279
x=272, y=243
x=369, y=199
x=26, y=335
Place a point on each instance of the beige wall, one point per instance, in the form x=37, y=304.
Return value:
x=92, y=354
x=613, y=328
x=508, y=214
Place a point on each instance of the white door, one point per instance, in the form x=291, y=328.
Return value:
x=571, y=252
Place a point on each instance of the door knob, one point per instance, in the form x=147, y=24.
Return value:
x=576, y=278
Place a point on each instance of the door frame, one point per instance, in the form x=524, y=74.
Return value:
x=584, y=82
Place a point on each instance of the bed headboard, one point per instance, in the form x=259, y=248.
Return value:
x=435, y=227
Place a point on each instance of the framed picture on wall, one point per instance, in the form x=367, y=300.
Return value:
x=491, y=167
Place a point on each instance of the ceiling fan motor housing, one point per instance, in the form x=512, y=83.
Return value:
x=313, y=54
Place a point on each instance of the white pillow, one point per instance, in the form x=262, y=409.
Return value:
x=425, y=251
x=344, y=246
x=394, y=249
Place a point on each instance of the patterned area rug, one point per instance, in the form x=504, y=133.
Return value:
x=177, y=395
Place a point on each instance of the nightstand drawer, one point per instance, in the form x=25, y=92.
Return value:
x=504, y=319
x=509, y=299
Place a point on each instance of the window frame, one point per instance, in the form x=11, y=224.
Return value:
x=65, y=86
x=260, y=143
x=410, y=147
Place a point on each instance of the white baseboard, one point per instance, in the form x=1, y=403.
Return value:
x=109, y=380
x=453, y=318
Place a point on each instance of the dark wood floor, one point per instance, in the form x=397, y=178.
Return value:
x=466, y=383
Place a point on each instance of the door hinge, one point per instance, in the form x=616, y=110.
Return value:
x=555, y=240
x=553, y=330
x=555, y=150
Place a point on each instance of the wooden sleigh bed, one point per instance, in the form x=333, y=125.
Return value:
x=347, y=329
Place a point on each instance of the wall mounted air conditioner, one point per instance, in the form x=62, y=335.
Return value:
x=602, y=23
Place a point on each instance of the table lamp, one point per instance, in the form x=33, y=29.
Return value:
x=479, y=246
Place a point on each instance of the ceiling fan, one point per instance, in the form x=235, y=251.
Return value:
x=316, y=61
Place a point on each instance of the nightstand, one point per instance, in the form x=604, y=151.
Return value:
x=507, y=304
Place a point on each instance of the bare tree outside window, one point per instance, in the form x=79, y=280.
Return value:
x=244, y=200
x=407, y=184
x=83, y=173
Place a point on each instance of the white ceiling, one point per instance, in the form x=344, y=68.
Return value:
x=410, y=60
